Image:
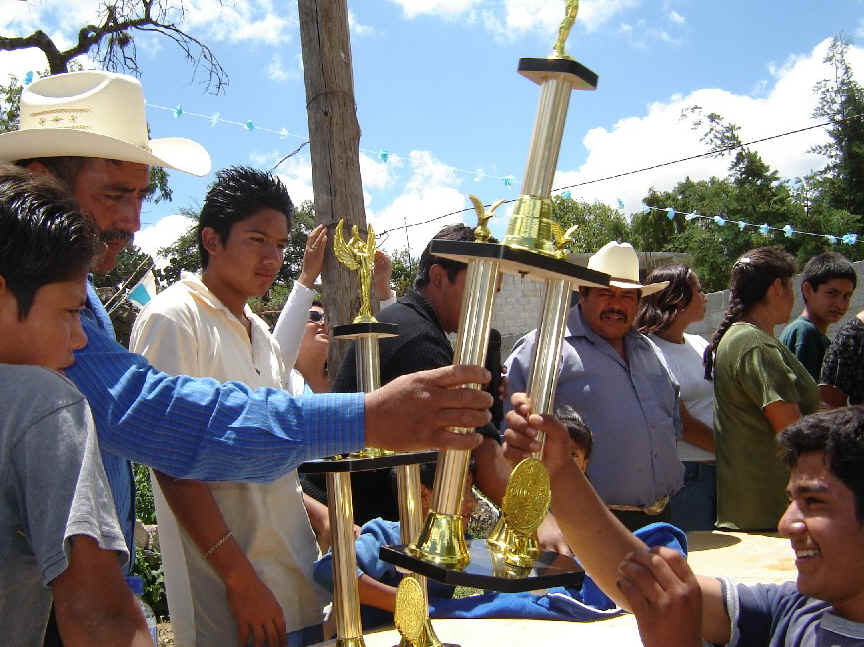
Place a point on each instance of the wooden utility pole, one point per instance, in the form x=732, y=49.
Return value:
x=334, y=140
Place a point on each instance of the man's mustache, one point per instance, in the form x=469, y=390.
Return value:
x=613, y=311
x=113, y=235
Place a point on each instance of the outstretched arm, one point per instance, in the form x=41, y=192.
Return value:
x=597, y=538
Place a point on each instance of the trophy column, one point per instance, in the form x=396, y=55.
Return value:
x=534, y=247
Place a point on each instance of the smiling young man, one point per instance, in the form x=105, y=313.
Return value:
x=827, y=284
x=618, y=380
x=241, y=565
x=59, y=534
x=824, y=522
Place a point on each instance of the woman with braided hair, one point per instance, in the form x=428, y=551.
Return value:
x=760, y=388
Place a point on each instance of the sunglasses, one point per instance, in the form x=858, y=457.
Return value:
x=316, y=316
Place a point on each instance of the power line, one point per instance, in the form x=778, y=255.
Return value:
x=715, y=151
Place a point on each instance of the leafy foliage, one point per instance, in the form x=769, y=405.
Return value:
x=404, y=271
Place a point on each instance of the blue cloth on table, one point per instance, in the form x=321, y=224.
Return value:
x=558, y=603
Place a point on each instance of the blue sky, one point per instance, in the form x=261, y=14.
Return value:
x=436, y=88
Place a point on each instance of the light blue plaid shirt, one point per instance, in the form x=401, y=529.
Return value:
x=199, y=428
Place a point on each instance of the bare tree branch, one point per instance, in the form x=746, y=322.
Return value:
x=114, y=42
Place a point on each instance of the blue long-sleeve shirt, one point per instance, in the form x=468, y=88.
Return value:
x=199, y=428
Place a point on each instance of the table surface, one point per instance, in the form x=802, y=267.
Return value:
x=746, y=557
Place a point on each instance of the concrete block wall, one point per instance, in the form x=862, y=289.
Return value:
x=517, y=308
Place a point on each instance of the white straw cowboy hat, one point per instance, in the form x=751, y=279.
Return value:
x=94, y=114
x=620, y=262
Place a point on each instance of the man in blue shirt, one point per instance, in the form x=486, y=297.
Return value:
x=618, y=380
x=824, y=523
x=89, y=130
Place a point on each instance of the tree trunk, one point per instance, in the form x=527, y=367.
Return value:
x=334, y=139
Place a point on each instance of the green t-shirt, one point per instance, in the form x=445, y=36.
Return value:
x=807, y=343
x=753, y=369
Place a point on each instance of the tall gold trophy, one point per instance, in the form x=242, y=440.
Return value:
x=365, y=330
x=534, y=247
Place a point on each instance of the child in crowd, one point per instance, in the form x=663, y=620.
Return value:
x=59, y=534
x=377, y=579
x=827, y=284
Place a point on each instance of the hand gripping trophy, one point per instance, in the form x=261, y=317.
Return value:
x=533, y=247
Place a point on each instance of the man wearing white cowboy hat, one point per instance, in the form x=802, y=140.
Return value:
x=89, y=130
x=620, y=383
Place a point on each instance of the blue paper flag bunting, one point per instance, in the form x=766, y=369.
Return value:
x=214, y=119
x=508, y=181
x=691, y=215
x=832, y=240
x=850, y=239
x=178, y=111
x=764, y=228
x=742, y=225
x=28, y=78
x=788, y=230
x=566, y=194
x=670, y=213
x=620, y=203
x=646, y=208
x=249, y=125
x=383, y=155
x=720, y=220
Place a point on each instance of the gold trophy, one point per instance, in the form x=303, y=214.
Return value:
x=358, y=255
x=534, y=247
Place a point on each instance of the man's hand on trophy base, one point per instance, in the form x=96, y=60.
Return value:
x=413, y=411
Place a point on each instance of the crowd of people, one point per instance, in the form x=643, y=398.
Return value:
x=656, y=430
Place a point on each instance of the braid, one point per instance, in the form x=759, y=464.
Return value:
x=734, y=312
x=752, y=275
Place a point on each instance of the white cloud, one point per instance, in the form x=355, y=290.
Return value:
x=161, y=234
x=296, y=174
x=275, y=69
x=378, y=174
x=519, y=16
x=238, y=20
x=357, y=28
x=431, y=191
x=660, y=135
x=676, y=17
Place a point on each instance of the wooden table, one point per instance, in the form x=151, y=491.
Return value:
x=746, y=557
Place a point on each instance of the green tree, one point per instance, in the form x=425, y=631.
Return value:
x=404, y=271
x=598, y=223
x=841, y=100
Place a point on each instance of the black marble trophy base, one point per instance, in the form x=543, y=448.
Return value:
x=518, y=261
x=488, y=571
x=543, y=69
x=347, y=464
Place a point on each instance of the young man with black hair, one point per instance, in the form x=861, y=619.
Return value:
x=240, y=563
x=824, y=522
x=425, y=315
x=59, y=534
x=827, y=284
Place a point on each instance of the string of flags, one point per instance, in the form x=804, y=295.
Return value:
x=507, y=180
x=382, y=154
x=765, y=229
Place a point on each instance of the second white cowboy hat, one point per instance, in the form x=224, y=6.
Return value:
x=94, y=114
x=620, y=262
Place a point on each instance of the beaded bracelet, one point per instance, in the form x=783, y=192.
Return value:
x=218, y=543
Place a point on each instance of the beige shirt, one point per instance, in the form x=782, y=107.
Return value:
x=186, y=330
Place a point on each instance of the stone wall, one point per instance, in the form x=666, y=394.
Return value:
x=517, y=308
